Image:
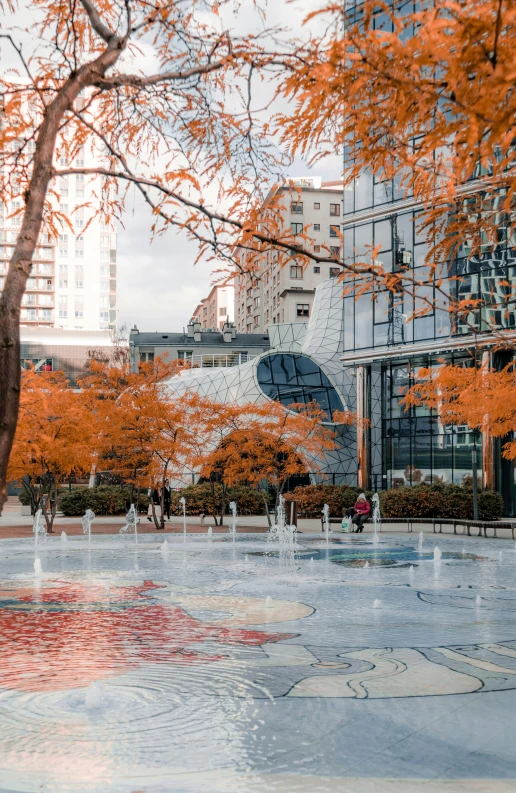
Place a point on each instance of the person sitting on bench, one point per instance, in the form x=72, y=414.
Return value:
x=360, y=512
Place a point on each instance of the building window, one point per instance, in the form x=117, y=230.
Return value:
x=185, y=355
x=317, y=226
x=303, y=309
x=292, y=379
x=222, y=311
x=335, y=210
x=249, y=310
x=334, y=231
x=334, y=272
x=296, y=228
x=63, y=313
x=146, y=357
x=334, y=250
x=317, y=248
x=296, y=207
x=256, y=320
x=317, y=269
x=296, y=272
x=317, y=205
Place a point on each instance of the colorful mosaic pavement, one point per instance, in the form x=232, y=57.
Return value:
x=208, y=666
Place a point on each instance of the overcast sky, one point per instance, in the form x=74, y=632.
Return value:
x=159, y=286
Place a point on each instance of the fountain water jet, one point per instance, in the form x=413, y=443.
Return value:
x=478, y=601
x=283, y=537
x=131, y=523
x=437, y=554
x=38, y=527
x=377, y=517
x=366, y=564
x=233, y=508
x=377, y=603
x=209, y=532
x=37, y=567
x=164, y=548
x=326, y=520
x=94, y=696
x=182, y=501
x=268, y=602
x=421, y=541
x=87, y=520
x=64, y=537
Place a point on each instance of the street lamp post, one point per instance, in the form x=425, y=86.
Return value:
x=474, y=465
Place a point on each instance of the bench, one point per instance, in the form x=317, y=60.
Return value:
x=471, y=528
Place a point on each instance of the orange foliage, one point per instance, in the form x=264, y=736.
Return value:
x=144, y=434
x=482, y=397
x=53, y=438
x=253, y=443
x=426, y=99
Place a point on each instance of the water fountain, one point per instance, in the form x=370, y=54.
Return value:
x=39, y=527
x=164, y=548
x=233, y=508
x=366, y=564
x=87, y=520
x=37, y=567
x=377, y=603
x=478, y=601
x=64, y=538
x=246, y=559
x=182, y=501
x=209, y=533
x=326, y=521
x=94, y=696
x=421, y=541
x=131, y=523
x=437, y=554
x=411, y=571
x=268, y=602
x=377, y=518
x=283, y=538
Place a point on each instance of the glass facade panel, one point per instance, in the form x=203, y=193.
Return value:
x=291, y=379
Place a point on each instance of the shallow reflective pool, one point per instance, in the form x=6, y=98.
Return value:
x=215, y=666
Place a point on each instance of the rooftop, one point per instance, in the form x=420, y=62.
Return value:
x=208, y=339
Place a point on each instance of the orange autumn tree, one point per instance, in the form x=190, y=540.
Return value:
x=480, y=397
x=143, y=434
x=154, y=98
x=53, y=439
x=425, y=101
x=263, y=444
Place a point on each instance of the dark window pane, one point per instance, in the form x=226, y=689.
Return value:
x=308, y=372
x=283, y=369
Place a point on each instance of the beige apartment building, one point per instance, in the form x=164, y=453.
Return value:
x=213, y=311
x=286, y=293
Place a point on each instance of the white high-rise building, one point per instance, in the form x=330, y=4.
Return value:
x=74, y=276
x=285, y=294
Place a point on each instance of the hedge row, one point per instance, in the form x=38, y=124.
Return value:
x=103, y=500
x=205, y=499
x=440, y=501
x=421, y=501
x=311, y=499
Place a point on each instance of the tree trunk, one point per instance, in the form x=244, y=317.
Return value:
x=20, y=265
x=265, y=496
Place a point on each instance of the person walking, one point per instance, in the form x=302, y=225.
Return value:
x=360, y=512
x=156, y=501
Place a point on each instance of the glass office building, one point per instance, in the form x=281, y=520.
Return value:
x=411, y=446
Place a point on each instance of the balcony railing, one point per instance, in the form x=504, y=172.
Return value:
x=217, y=361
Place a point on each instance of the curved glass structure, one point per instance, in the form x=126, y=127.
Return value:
x=290, y=378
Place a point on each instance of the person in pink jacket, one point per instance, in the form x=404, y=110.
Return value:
x=360, y=512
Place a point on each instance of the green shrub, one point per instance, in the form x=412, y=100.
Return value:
x=202, y=499
x=439, y=501
x=103, y=500
x=311, y=499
